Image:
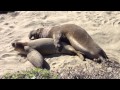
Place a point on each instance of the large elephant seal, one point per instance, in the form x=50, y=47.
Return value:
x=36, y=49
x=76, y=36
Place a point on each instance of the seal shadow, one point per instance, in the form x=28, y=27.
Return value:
x=46, y=65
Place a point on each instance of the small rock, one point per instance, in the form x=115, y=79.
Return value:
x=109, y=69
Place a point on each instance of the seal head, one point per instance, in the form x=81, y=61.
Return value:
x=35, y=34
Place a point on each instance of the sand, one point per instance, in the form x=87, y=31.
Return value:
x=103, y=26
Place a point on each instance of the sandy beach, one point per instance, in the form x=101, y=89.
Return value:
x=103, y=27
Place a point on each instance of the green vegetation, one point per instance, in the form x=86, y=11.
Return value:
x=35, y=73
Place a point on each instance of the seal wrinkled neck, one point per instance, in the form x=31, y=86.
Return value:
x=45, y=32
x=39, y=32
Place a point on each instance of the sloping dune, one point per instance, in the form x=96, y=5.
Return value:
x=103, y=26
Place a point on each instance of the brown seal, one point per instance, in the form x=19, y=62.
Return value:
x=36, y=49
x=77, y=37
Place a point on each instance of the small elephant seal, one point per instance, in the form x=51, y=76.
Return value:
x=34, y=50
x=45, y=46
x=74, y=35
x=34, y=57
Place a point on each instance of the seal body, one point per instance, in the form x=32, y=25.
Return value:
x=35, y=50
x=78, y=38
x=45, y=46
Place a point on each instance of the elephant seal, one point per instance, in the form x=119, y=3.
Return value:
x=74, y=35
x=45, y=46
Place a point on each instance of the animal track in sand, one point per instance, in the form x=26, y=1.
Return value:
x=45, y=17
x=6, y=24
x=7, y=55
x=2, y=18
x=1, y=29
x=116, y=22
x=53, y=63
x=11, y=26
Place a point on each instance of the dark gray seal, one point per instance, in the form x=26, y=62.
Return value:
x=45, y=46
x=36, y=49
x=74, y=35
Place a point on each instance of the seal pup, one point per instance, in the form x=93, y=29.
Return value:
x=36, y=49
x=74, y=35
x=45, y=46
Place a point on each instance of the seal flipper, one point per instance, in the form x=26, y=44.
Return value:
x=70, y=48
x=57, y=40
x=34, y=57
x=103, y=54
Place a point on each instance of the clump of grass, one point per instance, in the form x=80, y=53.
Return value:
x=35, y=73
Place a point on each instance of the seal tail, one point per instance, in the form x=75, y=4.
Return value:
x=102, y=57
x=103, y=54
